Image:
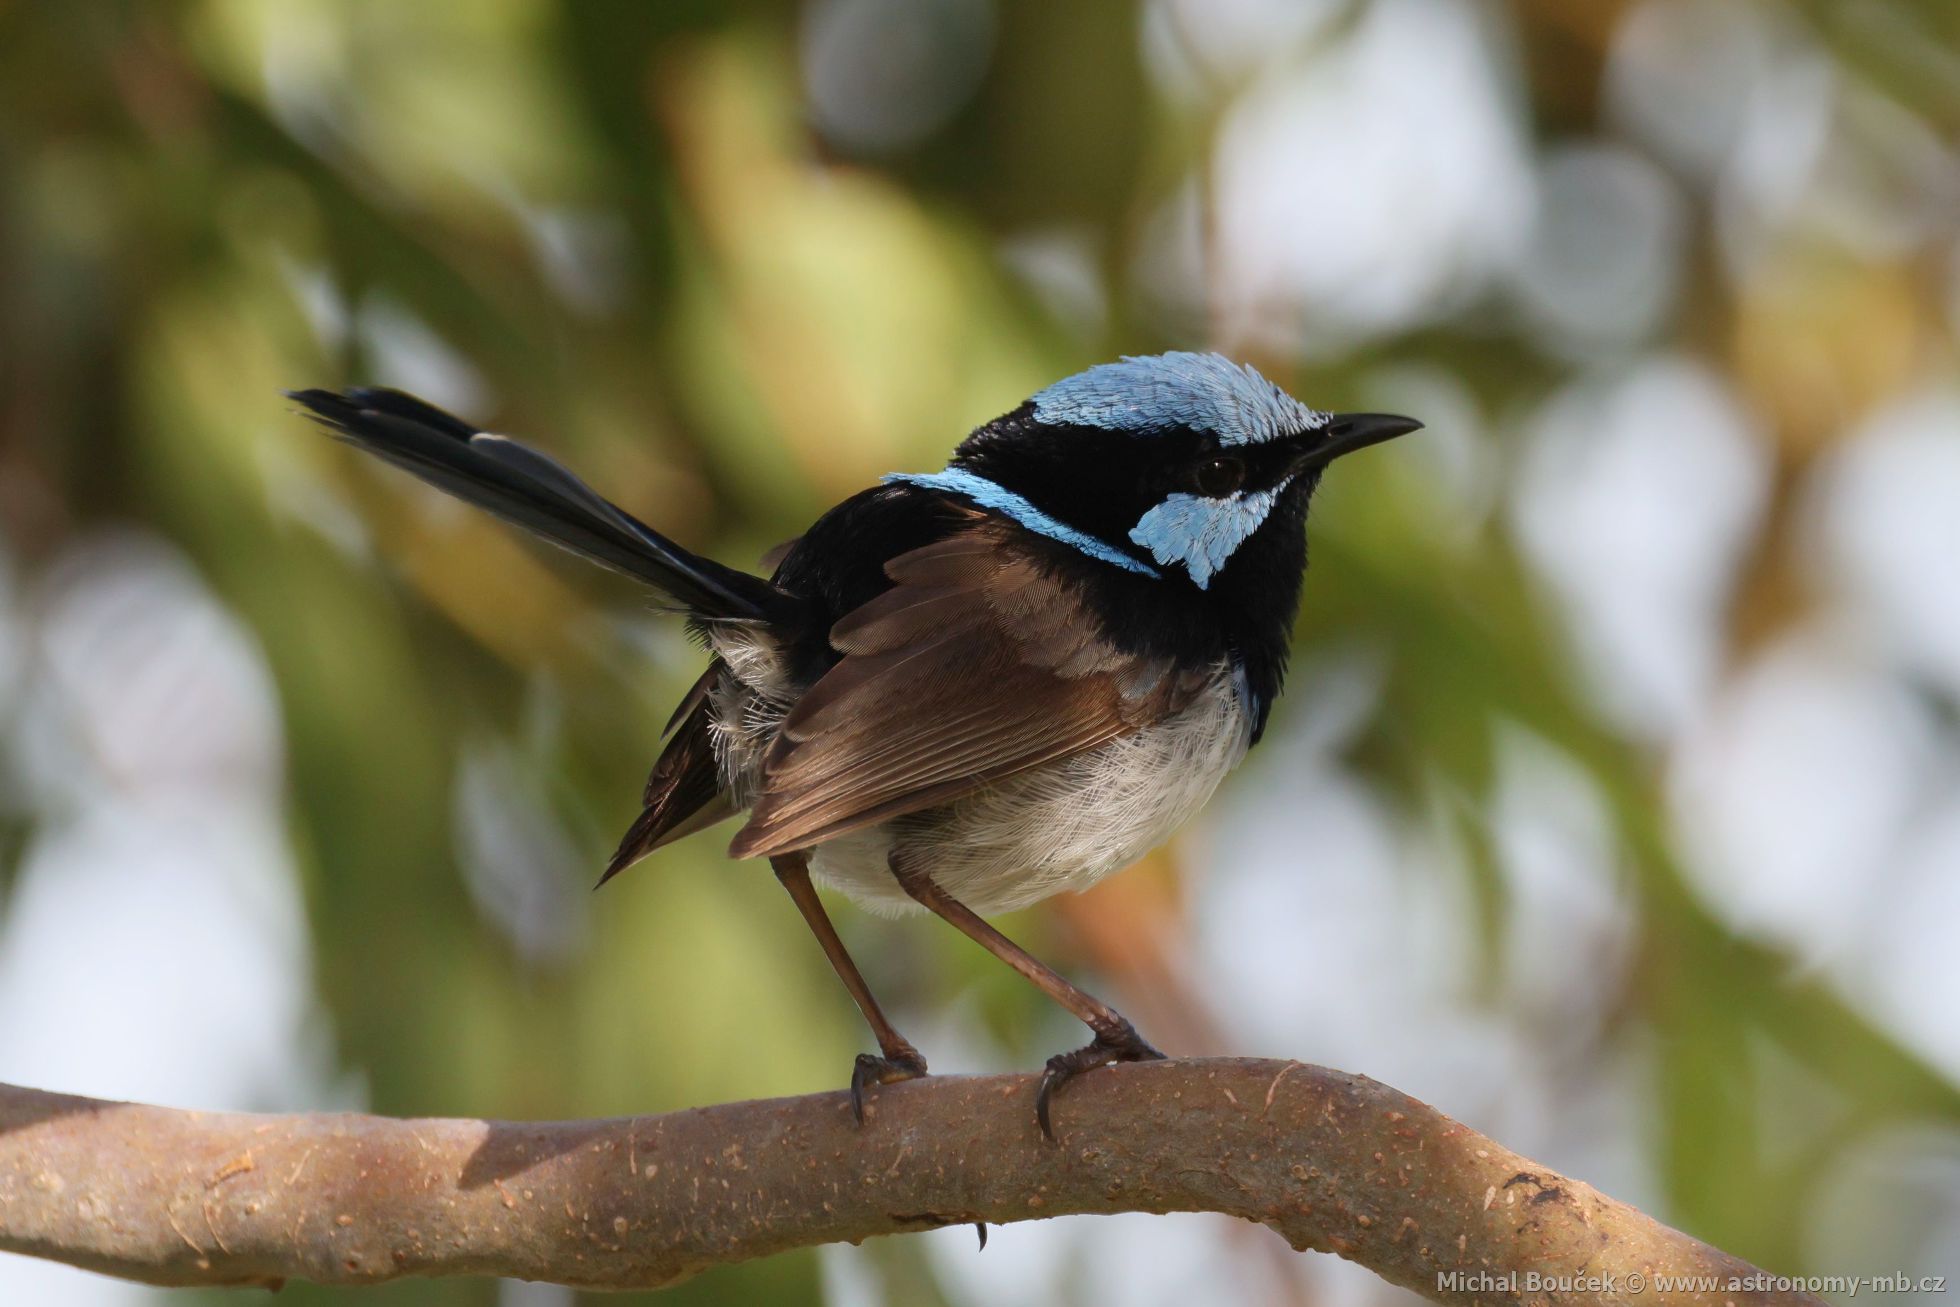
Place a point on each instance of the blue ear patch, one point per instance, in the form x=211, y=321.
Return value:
x=1164, y=392
x=1203, y=533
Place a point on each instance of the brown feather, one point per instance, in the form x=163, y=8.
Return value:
x=975, y=665
x=683, y=792
x=690, y=703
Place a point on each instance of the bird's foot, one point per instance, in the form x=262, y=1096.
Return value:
x=1118, y=1044
x=889, y=1069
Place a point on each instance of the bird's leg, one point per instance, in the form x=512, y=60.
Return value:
x=1116, y=1039
x=897, y=1059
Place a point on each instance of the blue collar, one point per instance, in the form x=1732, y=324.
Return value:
x=987, y=494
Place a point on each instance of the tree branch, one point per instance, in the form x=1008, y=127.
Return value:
x=1330, y=1161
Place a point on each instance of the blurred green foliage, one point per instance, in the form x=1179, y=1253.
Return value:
x=204, y=203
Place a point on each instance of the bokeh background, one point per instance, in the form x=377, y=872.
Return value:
x=1614, y=805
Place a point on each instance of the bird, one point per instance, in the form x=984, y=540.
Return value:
x=963, y=691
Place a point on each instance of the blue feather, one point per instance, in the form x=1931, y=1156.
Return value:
x=1156, y=393
x=1203, y=533
x=987, y=494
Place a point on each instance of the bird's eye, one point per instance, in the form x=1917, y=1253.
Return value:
x=1219, y=477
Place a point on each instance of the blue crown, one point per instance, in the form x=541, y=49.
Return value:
x=1167, y=392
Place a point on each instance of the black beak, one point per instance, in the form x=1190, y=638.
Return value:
x=1347, y=432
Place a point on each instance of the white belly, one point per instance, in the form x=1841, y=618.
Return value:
x=1060, y=827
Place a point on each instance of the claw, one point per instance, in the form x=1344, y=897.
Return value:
x=872, y=1069
x=1121, y=1045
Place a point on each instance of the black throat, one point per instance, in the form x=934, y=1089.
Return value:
x=1246, y=614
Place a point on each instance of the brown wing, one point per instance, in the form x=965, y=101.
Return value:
x=975, y=665
x=683, y=793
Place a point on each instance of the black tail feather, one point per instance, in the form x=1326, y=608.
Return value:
x=533, y=491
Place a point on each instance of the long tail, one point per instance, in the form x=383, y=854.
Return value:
x=523, y=486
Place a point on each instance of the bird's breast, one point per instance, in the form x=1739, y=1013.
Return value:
x=1061, y=826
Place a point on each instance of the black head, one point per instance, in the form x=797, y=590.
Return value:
x=1185, y=467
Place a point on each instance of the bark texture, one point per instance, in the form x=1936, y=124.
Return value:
x=1330, y=1161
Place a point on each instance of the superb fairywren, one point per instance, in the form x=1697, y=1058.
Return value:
x=965, y=690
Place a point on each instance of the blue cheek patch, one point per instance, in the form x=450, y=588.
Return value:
x=988, y=494
x=1203, y=533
